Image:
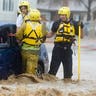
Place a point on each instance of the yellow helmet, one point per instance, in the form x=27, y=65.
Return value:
x=64, y=10
x=34, y=14
x=24, y=3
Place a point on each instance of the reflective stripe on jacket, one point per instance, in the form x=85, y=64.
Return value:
x=33, y=33
x=65, y=32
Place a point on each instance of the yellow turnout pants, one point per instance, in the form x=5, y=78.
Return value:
x=30, y=61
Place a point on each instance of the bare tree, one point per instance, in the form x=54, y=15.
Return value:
x=88, y=6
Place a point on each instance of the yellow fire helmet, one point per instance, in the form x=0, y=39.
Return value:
x=34, y=15
x=25, y=3
x=64, y=10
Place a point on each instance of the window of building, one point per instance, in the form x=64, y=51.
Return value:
x=8, y=5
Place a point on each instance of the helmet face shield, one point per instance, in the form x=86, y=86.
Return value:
x=64, y=11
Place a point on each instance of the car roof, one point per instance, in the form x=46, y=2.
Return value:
x=6, y=23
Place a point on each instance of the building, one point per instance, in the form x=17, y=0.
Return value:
x=8, y=10
x=49, y=8
x=93, y=8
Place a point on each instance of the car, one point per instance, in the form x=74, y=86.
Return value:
x=9, y=46
x=43, y=63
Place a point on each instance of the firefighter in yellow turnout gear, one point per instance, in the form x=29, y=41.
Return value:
x=31, y=36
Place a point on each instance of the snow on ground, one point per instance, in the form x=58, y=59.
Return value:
x=85, y=87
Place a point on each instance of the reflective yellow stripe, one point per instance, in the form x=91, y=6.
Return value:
x=68, y=29
x=38, y=31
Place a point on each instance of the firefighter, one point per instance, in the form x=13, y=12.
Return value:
x=64, y=30
x=24, y=9
x=31, y=36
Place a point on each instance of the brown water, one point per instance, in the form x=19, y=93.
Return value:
x=30, y=85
